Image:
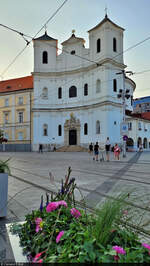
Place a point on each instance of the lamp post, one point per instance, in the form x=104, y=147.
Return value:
x=124, y=94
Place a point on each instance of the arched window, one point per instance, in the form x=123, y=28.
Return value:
x=72, y=92
x=98, y=86
x=145, y=143
x=85, y=129
x=45, y=57
x=97, y=127
x=59, y=93
x=45, y=93
x=114, y=85
x=45, y=130
x=85, y=89
x=98, y=45
x=59, y=130
x=114, y=45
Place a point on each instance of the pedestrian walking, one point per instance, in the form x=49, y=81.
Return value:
x=91, y=148
x=107, y=148
x=116, y=151
x=40, y=148
x=96, y=151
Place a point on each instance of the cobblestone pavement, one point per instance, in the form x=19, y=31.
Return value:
x=30, y=179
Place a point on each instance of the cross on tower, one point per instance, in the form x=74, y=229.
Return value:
x=106, y=9
x=45, y=26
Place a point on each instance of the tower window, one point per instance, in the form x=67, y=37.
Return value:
x=72, y=92
x=73, y=52
x=98, y=45
x=98, y=86
x=59, y=93
x=114, y=45
x=85, y=89
x=85, y=129
x=114, y=85
x=45, y=57
x=59, y=130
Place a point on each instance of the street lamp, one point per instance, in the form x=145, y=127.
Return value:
x=124, y=94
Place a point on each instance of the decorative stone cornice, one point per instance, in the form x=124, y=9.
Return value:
x=101, y=63
x=76, y=108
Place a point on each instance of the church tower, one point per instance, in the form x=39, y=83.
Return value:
x=45, y=53
x=106, y=41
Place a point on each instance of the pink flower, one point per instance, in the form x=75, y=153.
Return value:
x=59, y=236
x=37, y=256
x=75, y=213
x=119, y=250
x=146, y=246
x=39, y=224
x=52, y=206
x=63, y=203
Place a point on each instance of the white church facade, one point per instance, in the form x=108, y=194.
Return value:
x=75, y=92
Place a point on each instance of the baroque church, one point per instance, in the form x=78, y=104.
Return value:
x=76, y=92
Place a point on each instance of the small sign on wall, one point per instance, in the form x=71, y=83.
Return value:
x=124, y=128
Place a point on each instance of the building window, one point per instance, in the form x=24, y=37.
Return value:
x=45, y=130
x=131, y=100
x=59, y=93
x=20, y=100
x=115, y=123
x=85, y=89
x=130, y=126
x=139, y=126
x=114, y=85
x=20, y=135
x=114, y=45
x=73, y=52
x=98, y=86
x=72, y=92
x=97, y=127
x=6, y=118
x=98, y=45
x=20, y=117
x=59, y=130
x=45, y=57
x=45, y=93
x=7, y=102
x=85, y=129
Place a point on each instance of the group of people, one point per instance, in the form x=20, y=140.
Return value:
x=96, y=149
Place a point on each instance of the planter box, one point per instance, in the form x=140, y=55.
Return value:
x=15, y=245
x=3, y=194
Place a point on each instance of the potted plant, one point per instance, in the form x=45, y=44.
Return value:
x=4, y=172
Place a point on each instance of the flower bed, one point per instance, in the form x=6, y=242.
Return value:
x=59, y=232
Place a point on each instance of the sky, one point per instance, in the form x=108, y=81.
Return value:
x=28, y=16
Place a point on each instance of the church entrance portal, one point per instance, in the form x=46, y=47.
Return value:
x=72, y=137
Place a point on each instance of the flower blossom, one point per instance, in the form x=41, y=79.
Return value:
x=37, y=256
x=145, y=245
x=39, y=224
x=52, y=206
x=75, y=213
x=119, y=250
x=59, y=236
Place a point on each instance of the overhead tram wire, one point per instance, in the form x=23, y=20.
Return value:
x=28, y=42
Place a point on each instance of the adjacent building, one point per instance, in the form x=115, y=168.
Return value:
x=15, y=113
